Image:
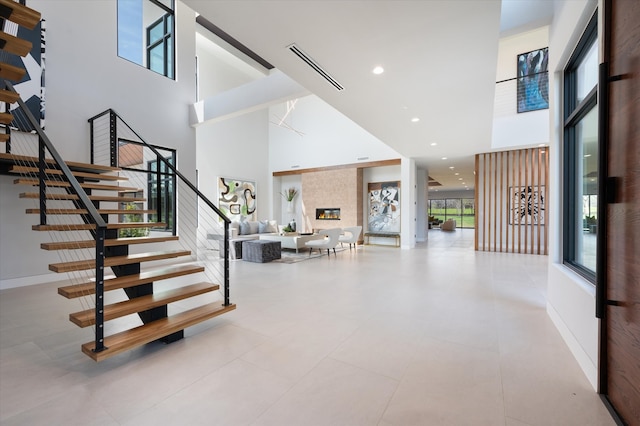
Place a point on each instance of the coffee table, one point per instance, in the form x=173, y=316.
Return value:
x=293, y=242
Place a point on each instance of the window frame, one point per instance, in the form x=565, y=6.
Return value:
x=573, y=113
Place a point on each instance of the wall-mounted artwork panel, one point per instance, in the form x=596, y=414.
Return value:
x=237, y=198
x=384, y=207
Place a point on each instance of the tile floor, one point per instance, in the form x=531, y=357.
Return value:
x=439, y=335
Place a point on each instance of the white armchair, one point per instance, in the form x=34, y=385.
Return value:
x=329, y=242
x=350, y=236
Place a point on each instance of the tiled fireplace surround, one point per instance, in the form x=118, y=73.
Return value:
x=342, y=188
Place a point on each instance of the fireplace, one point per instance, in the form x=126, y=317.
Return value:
x=328, y=214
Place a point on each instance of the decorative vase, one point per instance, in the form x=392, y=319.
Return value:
x=290, y=206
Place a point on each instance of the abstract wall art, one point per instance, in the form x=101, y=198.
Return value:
x=384, y=207
x=533, y=80
x=237, y=199
x=527, y=205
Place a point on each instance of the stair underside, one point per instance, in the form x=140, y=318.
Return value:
x=61, y=196
x=88, y=288
x=23, y=160
x=83, y=211
x=55, y=172
x=140, y=304
x=20, y=14
x=82, y=265
x=155, y=330
x=73, y=245
x=65, y=184
x=91, y=226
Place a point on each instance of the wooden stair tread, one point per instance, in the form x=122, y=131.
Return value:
x=20, y=14
x=84, y=211
x=82, y=167
x=85, y=175
x=11, y=72
x=51, y=196
x=6, y=118
x=9, y=96
x=81, y=265
x=91, y=226
x=15, y=45
x=89, y=287
x=65, y=184
x=142, y=303
x=147, y=333
x=72, y=245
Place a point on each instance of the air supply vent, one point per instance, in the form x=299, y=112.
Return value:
x=313, y=64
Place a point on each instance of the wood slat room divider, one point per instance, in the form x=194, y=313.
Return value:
x=511, y=201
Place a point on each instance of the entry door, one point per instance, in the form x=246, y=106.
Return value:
x=621, y=377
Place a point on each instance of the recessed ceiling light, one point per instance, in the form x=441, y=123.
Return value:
x=451, y=167
x=459, y=178
x=378, y=70
x=415, y=119
x=444, y=158
x=456, y=174
x=542, y=144
x=433, y=144
x=464, y=183
x=587, y=155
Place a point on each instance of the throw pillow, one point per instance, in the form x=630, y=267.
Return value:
x=253, y=227
x=262, y=227
x=244, y=228
x=272, y=226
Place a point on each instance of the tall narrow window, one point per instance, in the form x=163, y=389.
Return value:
x=146, y=31
x=581, y=155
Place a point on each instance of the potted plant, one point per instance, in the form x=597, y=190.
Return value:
x=289, y=195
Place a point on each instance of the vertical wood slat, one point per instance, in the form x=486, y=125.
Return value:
x=475, y=196
x=501, y=194
x=495, y=201
x=538, y=158
x=526, y=186
x=484, y=204
x=546, y=202
x=519, y=199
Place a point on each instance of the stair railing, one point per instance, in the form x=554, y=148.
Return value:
x=92, y=216
x=116, y=144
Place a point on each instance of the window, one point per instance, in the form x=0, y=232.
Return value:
x=461, y=209
x=145, y=34
x=580, y=159
x=162, y=193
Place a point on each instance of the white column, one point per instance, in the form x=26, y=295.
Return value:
x=408, y=203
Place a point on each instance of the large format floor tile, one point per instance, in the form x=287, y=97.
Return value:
x=437, y=335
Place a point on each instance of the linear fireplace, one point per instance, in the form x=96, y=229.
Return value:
x=328, y=214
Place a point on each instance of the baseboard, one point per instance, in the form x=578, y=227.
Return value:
x=584, y=361
x=27, y=281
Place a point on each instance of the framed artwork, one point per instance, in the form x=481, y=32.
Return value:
x=237, y=198
x=384, y=206
x=527, y=205
x=533, y=80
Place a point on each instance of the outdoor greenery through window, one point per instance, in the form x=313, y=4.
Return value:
x=462, y=210
x=145, y=34
x=581, y=155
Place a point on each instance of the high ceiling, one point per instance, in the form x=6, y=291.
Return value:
x=439, y=59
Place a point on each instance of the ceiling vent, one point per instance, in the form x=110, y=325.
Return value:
x=313, y=64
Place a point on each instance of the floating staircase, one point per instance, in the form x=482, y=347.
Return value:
x=72, y=200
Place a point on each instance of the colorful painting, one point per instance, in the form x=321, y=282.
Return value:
x=384, y=207
x=533, y=80
x=527, y=205
x=237, y=199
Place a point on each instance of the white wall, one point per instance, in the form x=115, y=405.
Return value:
x=329, y=139
x=511, y=129
x=570, y=298
x=84, y=76
x=236, y=148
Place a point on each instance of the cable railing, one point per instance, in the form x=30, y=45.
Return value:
x=171, y=198
x=38, y=163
